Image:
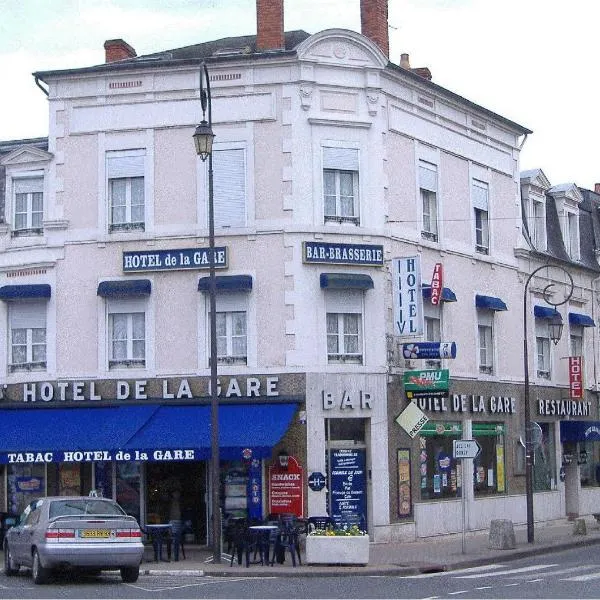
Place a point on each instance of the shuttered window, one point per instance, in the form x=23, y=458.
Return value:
x=125, y=174
x=27, y=335
x=340, y=185
x=229, y=187
x=29, y=205
x=344, y=326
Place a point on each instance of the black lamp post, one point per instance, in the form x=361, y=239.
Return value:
x=203, y=140
x=555, y=327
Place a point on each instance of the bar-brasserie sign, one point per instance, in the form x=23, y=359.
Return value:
x=173, y=260
x=343, y=254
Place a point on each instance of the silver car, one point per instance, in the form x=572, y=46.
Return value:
x=79, y=532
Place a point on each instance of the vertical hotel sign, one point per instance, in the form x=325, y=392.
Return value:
x=576, y=377
x=408, y=298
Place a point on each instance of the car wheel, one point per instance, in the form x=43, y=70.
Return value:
x=40, y=574
x=130, y=574
x=10, y=566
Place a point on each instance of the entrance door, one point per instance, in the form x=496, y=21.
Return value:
x=347, y=471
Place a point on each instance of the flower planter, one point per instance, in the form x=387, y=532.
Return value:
x=337, y=549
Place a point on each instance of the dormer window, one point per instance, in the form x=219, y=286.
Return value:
x=28, y=205
x=571, y=234
x=568, y=198
x=534, y=208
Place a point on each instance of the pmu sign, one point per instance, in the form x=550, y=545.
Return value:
x=408, y=298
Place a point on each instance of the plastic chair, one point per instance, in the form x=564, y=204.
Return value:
x=288, y=539
x=319, y=522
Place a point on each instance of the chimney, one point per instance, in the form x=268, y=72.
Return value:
x=423, y=72
x=404, y=61
x=117, y=50
x=374, y=22
x=597, y=188
x=269, y=25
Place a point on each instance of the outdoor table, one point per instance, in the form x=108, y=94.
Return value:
x=263, y=539
x=157, y=532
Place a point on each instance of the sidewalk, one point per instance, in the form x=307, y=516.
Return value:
x=442, y=553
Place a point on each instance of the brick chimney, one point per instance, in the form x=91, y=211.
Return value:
x=374, y=23
x=117, y=50
x=269, y=25
x=597, y=188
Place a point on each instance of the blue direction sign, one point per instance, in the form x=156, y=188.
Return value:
x=429, y=350
x=316, y=481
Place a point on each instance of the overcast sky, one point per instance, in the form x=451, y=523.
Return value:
x=532, y=61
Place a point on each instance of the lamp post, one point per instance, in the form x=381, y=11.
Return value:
x=203, y=140
x=555, y=330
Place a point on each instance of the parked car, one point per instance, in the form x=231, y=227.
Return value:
x=75, y=532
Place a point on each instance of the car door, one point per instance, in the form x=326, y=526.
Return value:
x=24, y=533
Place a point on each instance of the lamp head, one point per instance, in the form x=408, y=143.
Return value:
x=284, y=459
x=203, y=140
x=555, y=327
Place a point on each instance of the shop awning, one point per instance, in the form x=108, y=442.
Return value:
x=347, y=281
x=25, y=292
x=227, y=283
x=106, y=433
x=580, y=431
x=124, y=288
x=447, y=294
x=255, y=426
x=56, y=431
x=490, y=302
x=581, y=320
x=545, y=312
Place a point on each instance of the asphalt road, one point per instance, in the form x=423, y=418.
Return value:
x=570, y=574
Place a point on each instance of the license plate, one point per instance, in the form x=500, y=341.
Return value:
x=95, y=533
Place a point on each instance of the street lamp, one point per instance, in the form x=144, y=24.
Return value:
x=555, y=327
x=203, y=139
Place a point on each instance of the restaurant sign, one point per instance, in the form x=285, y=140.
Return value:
x=368, y=255
x=173, y=260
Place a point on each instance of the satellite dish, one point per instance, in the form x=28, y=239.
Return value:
x=536, y=436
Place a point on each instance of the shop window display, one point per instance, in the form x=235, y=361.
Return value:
x=544, y=462
x=489, y=474
x=439, y=472
x=25, y=483
x=589, y=466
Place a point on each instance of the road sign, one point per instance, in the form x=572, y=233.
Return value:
x=465, y=449
x=316, y=481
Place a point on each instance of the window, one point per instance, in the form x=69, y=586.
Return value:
x=576, y=340
x=480, y=194
x=489, y=466
x=542, y=344
x=29, y=205
x=571, y=234
x=27, y=336
x=485, y=336
x=535, y=212
x=428, y=192
x=433, y=329
x=344, y=326
x=439, y=472
x=340, y=185
x=229, y=168
x=125, y=173
x=127, y=333
x=232, y=327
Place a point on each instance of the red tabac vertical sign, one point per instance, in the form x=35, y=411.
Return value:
x=436, y=284
x=286, y=488
x=576, y=376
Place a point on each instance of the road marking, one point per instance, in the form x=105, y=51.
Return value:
x=455, y=593
x=484, y=587
x=507, y=572
x=511, y=584
x=453, y=573
x=588, y=577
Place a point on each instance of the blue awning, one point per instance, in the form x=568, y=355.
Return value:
x=61, y=430
x=545, y=312
x=346, y=281
x=447, y=294
x=582, y=320
x=579, y=431
x=25, y=292
x=227, y=283
x=125, y=288
x=255, y=426
x=145, y=428
x=490, y=303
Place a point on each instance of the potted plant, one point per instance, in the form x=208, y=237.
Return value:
x=337, y=546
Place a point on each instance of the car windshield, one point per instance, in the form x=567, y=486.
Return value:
x=77, y=507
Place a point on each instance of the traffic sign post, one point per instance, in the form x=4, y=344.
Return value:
x=464, y=449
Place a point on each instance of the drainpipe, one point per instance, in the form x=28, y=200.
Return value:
x=37, y=82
